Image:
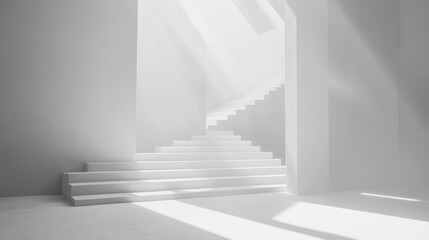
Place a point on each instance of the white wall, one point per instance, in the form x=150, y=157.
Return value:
x=307, y=122
x=171, y=75
x=342, y=104
x=67, y=89
x=413, y=89
x=291, y=95
x=363, y=93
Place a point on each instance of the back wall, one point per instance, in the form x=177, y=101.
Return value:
x=67, y=89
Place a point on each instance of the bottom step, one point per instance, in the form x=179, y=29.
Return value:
x=176, y=194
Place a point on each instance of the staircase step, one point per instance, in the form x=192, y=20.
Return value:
x=219, y=133
x=217, y=118
x=202, y=156
x=176, y=149
x=89, y=188
x=164, y=165
x=175, y=194
x=247, y=99
x=211, y=143
x=204, y=137
x=212, y=122
x=229, y=107
x=217, y=163
x=221, y=113
x=235, y=106
x=265, y=90
x=257, y=93
x=79, y=177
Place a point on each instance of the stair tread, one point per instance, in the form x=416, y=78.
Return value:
x=206, y=147
x=173, y=192
x=175, y=161
x=212, y=140
x=175, y=170
x=226, y=137
x=217, y=137
x=175, y=179
x=210, y=146
x=219, y=132
x=196, y=153
x=168, y=156
x=209, y=143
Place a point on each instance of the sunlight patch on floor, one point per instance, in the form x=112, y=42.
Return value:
x=221, y=224
x=351, y=223
x=390, y=197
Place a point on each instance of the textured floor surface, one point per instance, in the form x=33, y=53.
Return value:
x=373, y=214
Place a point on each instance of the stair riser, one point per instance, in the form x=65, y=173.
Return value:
x=212, y=143
x=242, y=105
x=202, y=156
x=174, y=196
x=124, y=176
x=208, y=149
x=210, y=123
x=221, y=113
x=266, y=91
x=180, y=165
x=232, y=107
x=217, y=118
x=207, y=138
x=219, y=133
x=251, y=98
x=173, y=185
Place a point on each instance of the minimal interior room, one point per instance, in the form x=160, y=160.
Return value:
x=214, y=119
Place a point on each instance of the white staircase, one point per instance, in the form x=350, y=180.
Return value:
x=218, y=163
x=258, y=92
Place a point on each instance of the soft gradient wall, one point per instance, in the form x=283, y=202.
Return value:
x=363, y=93
x=342, y=129
x=171, y=75
x=307, y=107
x=67, y=89
x=414, y=89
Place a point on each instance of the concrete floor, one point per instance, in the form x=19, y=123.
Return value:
x=374, y=214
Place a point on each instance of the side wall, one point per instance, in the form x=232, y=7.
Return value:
x=342, y=129
x=363, y=93
x=307, y=106
x=67, y=89
x=414, y=89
